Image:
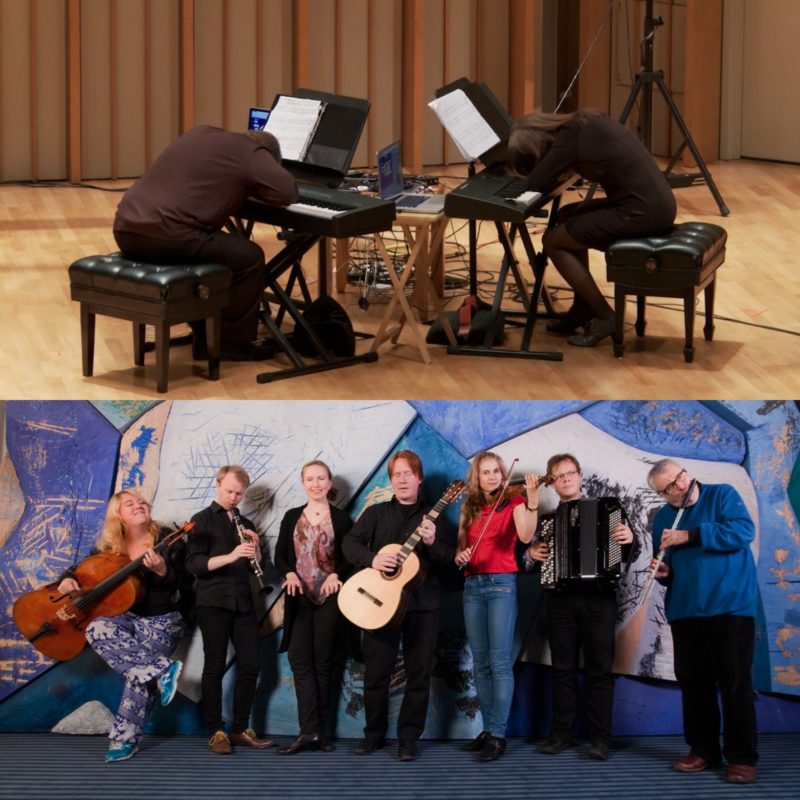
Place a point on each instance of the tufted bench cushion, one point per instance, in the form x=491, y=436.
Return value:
x=150, y=294
x=680, y=263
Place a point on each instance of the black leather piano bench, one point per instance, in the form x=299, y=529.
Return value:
x=681, y=263
x=150, y=294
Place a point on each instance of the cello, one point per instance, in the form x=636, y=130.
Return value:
x=55, y=623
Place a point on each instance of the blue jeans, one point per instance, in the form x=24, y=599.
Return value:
x=490, y=613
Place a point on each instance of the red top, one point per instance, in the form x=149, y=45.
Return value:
x=495, y=551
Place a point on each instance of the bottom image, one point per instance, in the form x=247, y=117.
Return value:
x=468, y=581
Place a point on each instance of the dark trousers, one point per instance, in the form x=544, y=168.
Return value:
x=584, y=621
x=311, y=656
x=243, y=257
x=219, y=626
x=717, y=653
x=418, y=633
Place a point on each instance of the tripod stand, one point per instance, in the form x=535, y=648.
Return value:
x=643, y=83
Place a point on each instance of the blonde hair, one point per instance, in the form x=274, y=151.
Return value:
x=112, y=535
x=238, y=472
x=473, y=505
x=317, y=463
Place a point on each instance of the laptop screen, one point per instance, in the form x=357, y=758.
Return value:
x=390, y=171
x=257, y=119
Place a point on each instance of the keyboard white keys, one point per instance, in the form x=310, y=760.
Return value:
x=314, y=210
x=526, y=198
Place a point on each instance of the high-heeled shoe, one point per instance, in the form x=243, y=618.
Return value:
x=596, y=331
x=305, y=741
x=564, y=324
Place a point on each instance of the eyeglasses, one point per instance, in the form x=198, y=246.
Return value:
x=673, y=485
x=563, y=475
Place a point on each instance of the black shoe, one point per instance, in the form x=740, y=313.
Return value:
x=475, y=744
x=492, y=750
x=596, y=331
x=553, y=746
x=565, y=325
x=407, y=751
x=598, y=751
x=366, y=747
x=305, y=741
x=325, y=744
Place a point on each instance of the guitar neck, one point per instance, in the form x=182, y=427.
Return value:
x=416, y=537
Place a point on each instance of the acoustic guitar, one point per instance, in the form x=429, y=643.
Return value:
x=375, y=599
x=55, y=623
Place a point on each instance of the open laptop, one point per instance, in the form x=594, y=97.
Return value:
x=390, y=185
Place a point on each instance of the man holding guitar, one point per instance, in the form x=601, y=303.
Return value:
x=394, y=522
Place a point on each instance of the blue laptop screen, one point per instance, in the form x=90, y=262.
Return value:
x=390, y=171
x=258, y=119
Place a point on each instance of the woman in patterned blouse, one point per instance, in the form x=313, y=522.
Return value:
x=309, y=556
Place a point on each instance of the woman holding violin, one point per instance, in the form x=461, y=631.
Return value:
x=309, y=556
x=138, y=643
x=493, y=519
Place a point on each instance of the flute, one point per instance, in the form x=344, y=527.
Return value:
x=660, y=556
x=255, y=563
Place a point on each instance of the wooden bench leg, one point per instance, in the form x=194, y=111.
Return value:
x=162, y=355
x=708, y=328
x=87, y=340
x=619, y=311
x=214, y=344
x=688, y=320
x=641, y=304
x=138, y=343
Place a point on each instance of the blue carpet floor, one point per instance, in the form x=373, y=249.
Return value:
x=48, y=766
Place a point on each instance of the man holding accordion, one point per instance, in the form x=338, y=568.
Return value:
x=580, y=610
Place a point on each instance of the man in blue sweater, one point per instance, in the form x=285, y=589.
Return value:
x=710, y=604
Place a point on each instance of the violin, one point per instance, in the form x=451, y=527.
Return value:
x=516, y=486
x=55, y=623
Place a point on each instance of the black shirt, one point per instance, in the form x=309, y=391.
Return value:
x=392, y=523
x=215, y=535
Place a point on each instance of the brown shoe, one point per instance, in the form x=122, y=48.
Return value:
x=690, y=763
x=740, y=773
x=220, y=744
x=248, y=738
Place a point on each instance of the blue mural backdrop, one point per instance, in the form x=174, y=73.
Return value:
x=64, y=459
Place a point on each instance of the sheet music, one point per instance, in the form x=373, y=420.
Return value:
x=472, y=134
x=293, y=121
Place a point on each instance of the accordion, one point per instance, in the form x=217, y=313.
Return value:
x=578, y=536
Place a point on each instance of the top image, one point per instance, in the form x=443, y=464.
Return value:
x=399, y=199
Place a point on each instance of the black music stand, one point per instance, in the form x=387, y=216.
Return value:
x=499, y=120
x=643, y=83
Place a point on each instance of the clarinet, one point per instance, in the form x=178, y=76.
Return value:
x=255, y=564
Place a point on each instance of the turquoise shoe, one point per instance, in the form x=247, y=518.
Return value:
x=121, y=751
x=168, y=682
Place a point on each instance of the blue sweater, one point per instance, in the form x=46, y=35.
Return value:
x=715, y=573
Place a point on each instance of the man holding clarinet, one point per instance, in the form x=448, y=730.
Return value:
x=710, y=604
x=222, y=553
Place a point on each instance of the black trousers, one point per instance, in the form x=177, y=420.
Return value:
x=218, y=627
x=311, y=655
x=587, y=622
x=717, y=653
x=242, y=256
x=418, y=634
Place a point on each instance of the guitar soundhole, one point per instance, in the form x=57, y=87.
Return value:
x=391, y=574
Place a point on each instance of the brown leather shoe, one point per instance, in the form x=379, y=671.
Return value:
x=690, y=763
x=248, y=738
x=740, y=773
x=220, y=744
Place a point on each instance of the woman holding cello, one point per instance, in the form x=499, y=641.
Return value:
x=138, y=643
x=493, y=519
